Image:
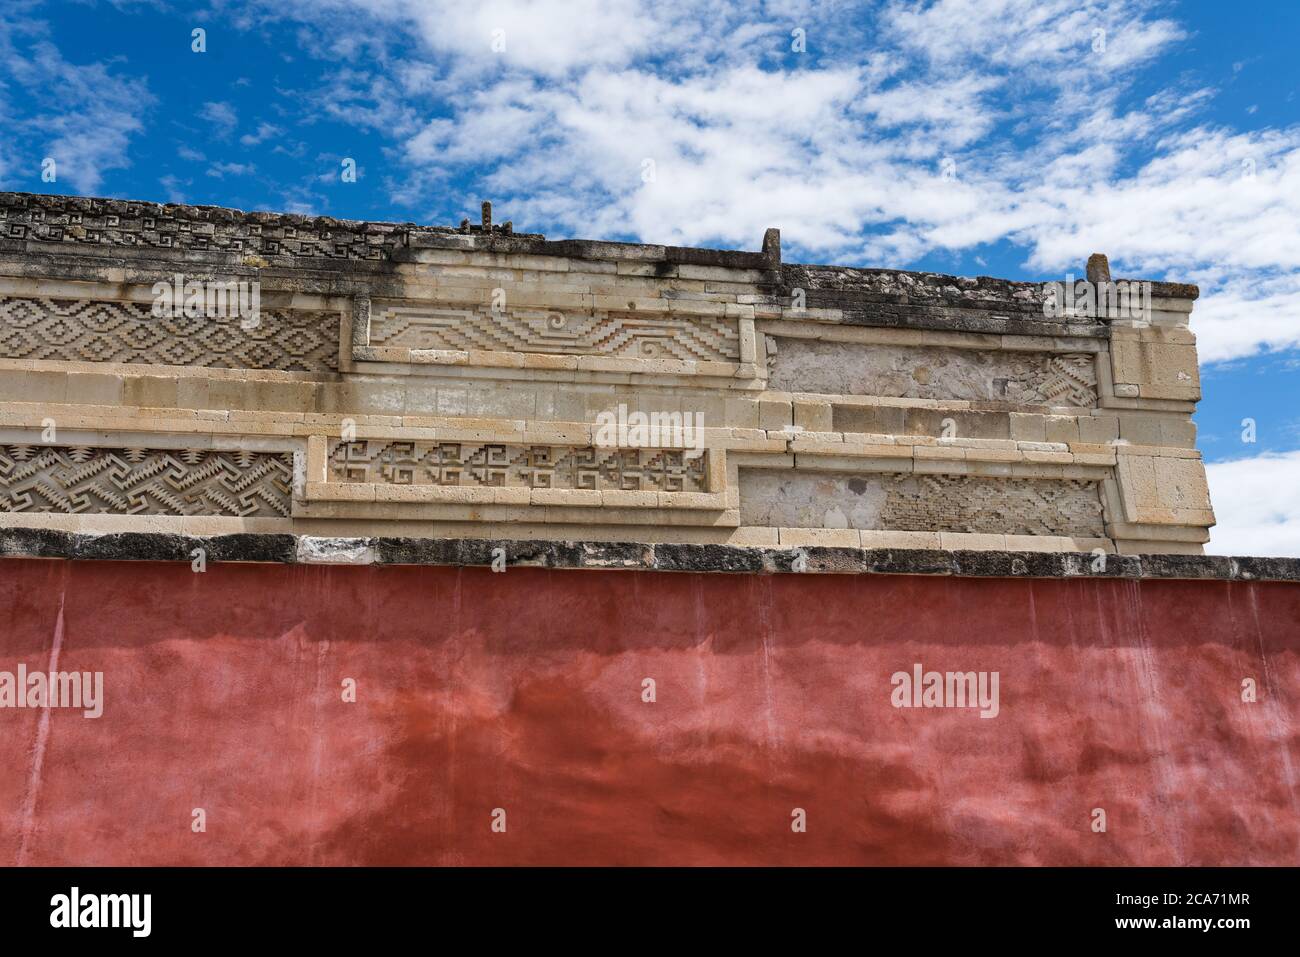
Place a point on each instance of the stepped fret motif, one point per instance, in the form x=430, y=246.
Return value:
x=471, y=326
x=97, y=222
x=493, y=465
x=132, y=481
x=966, y=503
x=1068, y=379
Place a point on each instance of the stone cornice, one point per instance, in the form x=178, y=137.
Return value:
x=45, y=223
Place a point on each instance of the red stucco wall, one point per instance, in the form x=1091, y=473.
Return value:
x=522, y=691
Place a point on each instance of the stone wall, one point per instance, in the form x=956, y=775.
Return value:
x=403, y=380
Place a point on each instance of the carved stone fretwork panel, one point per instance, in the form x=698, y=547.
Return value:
x=90, y=330
x=74, y=220
x=494, y=465
x=470, y=326
x=934, y=372
x=965, y=503
x=897, y=501
x=131, y=481
x=1065, y=379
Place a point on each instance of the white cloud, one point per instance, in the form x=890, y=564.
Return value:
x=549, y=37
x=222, y=170
x=82, y=116
x=222, y=115
x=1257, y=504
x=1034, y=35
x=264, y=132
x=172, y=188
x=1064, y=143
x=1246, y=313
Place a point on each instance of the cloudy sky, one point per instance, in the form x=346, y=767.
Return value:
x=1165, y=133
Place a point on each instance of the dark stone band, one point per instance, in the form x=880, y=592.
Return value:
x=289, y=549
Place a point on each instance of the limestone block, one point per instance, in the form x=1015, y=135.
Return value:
x=774, y=414
x=945, y=453
x=42, y=387
x=1157, y=429
x=874, y=419
x=1030, y=428
x=886, y=539
x=813, y=416
x=1159, y=361
x=96, y=389
x=1163, y=490
x=972, y=541
x=1098, y=428
x=565, y=496
x=630, y=499
x=814, y=537
x=511, y=496
x=340, y=491
x=1061, y=428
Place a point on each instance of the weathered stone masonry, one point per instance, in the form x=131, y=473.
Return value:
x=415, y=381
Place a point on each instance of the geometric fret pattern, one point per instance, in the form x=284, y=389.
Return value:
x=89, y=330
x=495, y=465
x=912, y=502
x=1068, y=379
x=473, y=326
x=967, y=503
x=74, y=479
x=74, y=220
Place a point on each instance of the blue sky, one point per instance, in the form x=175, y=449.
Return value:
x=1163, y=133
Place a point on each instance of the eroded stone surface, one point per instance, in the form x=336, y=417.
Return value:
x=908, y=502
x=283, y=549
x=841, y=368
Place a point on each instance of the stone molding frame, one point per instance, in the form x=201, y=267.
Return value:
x=648, y=338
x=690, y=487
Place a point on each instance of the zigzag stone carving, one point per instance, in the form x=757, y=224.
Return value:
x=89, y=330
x=473, y=326
x=128, y=481
x=495, y=465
